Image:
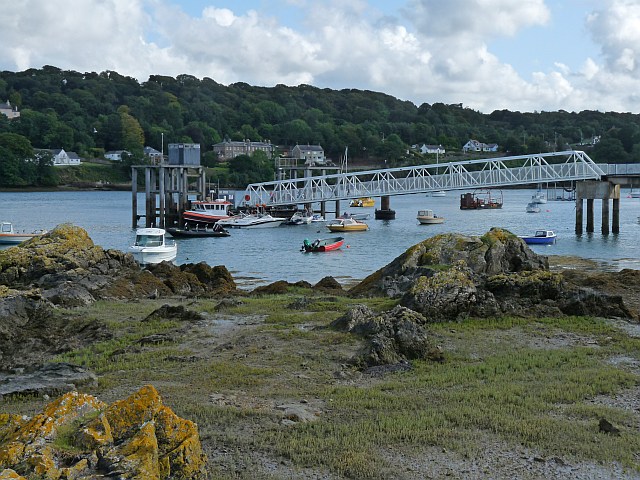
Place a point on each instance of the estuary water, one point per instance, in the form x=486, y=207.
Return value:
x=261, y=256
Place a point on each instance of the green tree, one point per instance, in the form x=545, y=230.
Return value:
x=132, y=133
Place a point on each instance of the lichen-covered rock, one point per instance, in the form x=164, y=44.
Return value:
x=498, y=251
x=9, y=474
x=139, y=438
x=446, y=295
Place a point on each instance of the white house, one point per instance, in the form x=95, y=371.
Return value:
x=60, y=157
x=116, y=155
x=476, y=146
x=431, y=149
x=311, y=154
x=154, y=155
x=10, y=112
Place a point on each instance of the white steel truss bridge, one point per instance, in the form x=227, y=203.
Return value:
x=469, y=174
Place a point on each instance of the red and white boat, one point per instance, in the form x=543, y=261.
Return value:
x=9, y=236
x=208, y=211
x=322, y=244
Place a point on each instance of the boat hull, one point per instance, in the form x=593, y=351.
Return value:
x=348, y=228
x=152, y=255
x=196, y=233
x=539, y=241
x=252, y=222
x=16, y=238
x=430, y=221
x=324, y=245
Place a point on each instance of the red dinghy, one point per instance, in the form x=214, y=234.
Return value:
x=322, y=245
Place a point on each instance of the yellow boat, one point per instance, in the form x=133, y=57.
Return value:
x=347, y=225
x=362, y=202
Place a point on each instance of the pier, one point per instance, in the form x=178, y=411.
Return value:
x=167, y=186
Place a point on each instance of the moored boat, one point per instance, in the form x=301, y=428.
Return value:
x=198, y=231
x=362, y=202
x=427, y=217
x=540, y=237
x=539, y=197
x=356, y=216
x=259, y=220
x=208, y=211
x=347, y=225
x=299, y=218
x=151, y=246
x=533, y=207
x=9, y=235
x=317, y=218
x=322, y=244
x=439, y=193
x=481, y=199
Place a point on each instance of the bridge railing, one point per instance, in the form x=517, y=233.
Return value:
x=468, y=174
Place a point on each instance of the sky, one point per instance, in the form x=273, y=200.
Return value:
x=519, y=55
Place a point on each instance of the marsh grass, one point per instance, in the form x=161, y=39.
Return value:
x=502, y=379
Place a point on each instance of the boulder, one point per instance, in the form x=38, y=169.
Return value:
x=450, y=277
x=391, y=338
x=498, y=251
x=138, y=437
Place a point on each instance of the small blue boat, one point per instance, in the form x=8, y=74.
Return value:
x=541, y=237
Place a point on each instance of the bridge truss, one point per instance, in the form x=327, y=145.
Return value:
x=469, y=174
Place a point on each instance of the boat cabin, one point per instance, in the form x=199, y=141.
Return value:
x=149, y=237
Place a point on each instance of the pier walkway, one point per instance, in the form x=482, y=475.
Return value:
x=541, y=168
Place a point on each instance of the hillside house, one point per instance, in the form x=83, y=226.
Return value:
x=8, y=111
x=311, y=154
x=60, y=157
x=227, y=149
x=429, y=149
x=116, y=155
x=155, y=157
x=476, y=146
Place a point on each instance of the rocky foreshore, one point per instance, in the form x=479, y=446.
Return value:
x=446, y=278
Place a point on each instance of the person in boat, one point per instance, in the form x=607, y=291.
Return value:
x=306, y=244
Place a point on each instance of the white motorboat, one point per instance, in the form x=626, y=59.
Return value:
x=533, y=207
x=151, y=246
x=259, y=220
x=539, y=197
x=427, y=217
x=9, y=236
x=439, y=193
x=356, y=216
x=299, y=218
x=316, y=218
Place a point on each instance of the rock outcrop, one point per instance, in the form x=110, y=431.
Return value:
x=63, y=268
x=391, y=338
x=451, y=277
x=79, y=436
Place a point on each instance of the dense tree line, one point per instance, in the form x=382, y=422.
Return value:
x=91, y=113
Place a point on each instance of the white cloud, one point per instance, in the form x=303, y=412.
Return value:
x=431, y=51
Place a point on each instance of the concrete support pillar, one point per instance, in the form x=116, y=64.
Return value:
x=615, y=226
x=578, y=216
x=589, y=215
x=385, y=202
x=323, y=209
x=605, y=216
x=134, y=197
x=337, y=208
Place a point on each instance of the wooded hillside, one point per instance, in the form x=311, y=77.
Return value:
x=91, y=113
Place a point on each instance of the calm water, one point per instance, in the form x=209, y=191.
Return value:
x=264, y=255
